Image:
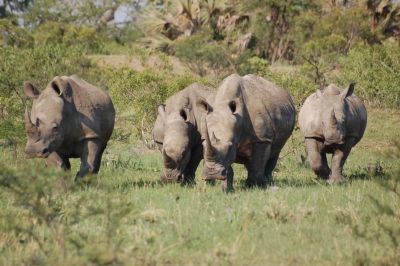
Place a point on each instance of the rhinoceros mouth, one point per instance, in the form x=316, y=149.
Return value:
x=44, y=154
x=210, y=177
x=214, y=173
x=330, y=143
x=171, y=178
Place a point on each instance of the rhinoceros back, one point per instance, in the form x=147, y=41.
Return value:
x=356, y=120
x=95, y=113
x=270, y=109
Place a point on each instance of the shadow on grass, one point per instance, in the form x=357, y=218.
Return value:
x=310, y=180
x=141, y=183
x=359, y=176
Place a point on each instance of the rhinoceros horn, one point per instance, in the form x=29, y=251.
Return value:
x=166, y=158
x=210, y=153
x=29, y=126
x=333, y=120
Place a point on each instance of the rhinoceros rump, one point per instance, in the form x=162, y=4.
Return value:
x=177, y=131
x=332, y=121
x=248, y=121
x=69, y=119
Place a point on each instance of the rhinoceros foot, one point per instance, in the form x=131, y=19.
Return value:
x=262, y=183
x=188, y=181
x=227, y=186
x=336, y=179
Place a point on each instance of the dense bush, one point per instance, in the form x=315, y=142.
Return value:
x=376, y=70
x=39, y=65
x=53, y=33
x=295, y=81
x=137, y=95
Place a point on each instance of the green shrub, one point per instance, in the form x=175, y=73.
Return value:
x=53, y=33
x=202, y=54
x=39, y=65
x=376, y=70
x=137, y=95
x=299, y=85
x=13, y=35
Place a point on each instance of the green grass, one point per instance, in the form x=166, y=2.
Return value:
x=127, y=217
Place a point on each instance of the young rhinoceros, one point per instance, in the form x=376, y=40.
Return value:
x=177, y=131
x=332, y=121
x=248, y=121
x=70, y=119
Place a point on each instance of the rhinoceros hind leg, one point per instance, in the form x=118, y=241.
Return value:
x=58, y=160
x=269, y=168
x=317, y=158
x=90, y=158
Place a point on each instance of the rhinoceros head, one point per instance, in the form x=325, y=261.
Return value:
x=221, y=129
x=176, y=144
x=44, y=126
x=333, y=114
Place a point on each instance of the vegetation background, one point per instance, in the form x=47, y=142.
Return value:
x=142, y=52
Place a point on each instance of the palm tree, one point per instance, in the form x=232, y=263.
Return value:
x=384, y=16
x=174, y=19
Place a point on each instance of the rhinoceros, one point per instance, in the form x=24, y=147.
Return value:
x=332, y=120
x=69, y=119
x=177, y=131
x=248, y=122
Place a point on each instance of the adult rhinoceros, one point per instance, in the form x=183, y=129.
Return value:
x=177, y=131
x=248, y=121
x=332, y=121
x=69, y=119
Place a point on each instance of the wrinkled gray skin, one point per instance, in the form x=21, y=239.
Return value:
x=177, y=132
x=332, y=121
x=69, y=119
x=248, y=121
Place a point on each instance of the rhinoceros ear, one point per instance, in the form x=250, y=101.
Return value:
x=349, y=91
x=161, y=111
x=31, y=90
x=235, y=106
x=185, y=114
x=57, y=85
x=203, y=105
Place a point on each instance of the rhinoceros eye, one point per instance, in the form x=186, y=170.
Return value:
x=55, y=126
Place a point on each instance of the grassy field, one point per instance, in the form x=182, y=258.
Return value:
x=127, y=217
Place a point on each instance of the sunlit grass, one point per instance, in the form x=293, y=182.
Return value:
x=126, y=216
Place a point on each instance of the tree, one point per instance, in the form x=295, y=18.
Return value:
x=11, y=8
x=384, y=16
x=99, y=15
x=169, y=21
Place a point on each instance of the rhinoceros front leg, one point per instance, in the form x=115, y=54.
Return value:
x=90, y=158
x=227, y=184
x=257, y=165
x=338, y=159
x=58, y=160
x=195, y=159
x=317, y=158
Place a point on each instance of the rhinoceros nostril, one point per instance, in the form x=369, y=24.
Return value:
x=223, y=173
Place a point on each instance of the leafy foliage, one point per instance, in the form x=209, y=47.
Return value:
x=138, y=94
x=376, y=70
x=54, y=33
x=38, y=65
